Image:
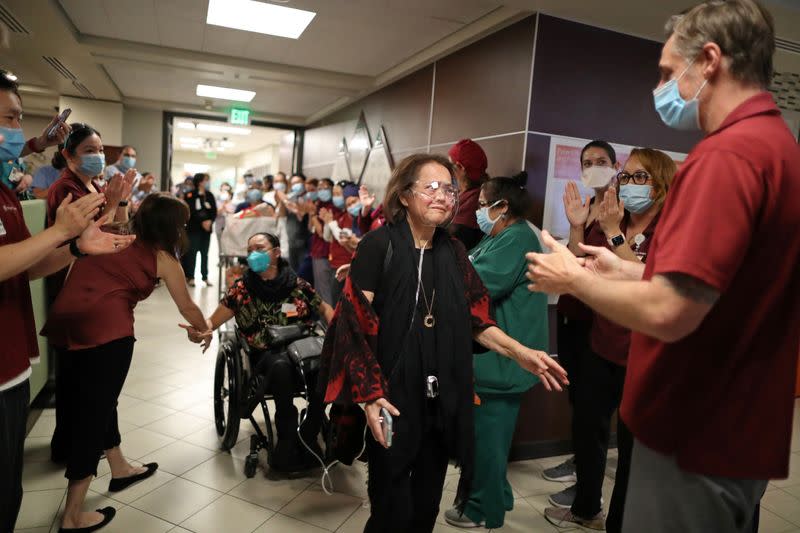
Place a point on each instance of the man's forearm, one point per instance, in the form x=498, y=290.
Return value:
x=55, y=261
x=636, y=305
x=21, y=256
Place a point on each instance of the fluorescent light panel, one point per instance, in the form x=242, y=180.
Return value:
x=259, y=17
x=186, y=125
x=224, y=93
x=219, y=128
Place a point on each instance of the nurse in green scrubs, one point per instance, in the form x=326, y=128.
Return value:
x=500, y=382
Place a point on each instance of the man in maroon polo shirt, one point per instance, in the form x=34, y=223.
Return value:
x=709, y=392
x=23, y=258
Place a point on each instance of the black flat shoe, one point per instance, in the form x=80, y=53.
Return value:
x=116, y=485
x=108, y=515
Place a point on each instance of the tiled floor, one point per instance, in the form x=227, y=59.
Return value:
x=166, y=416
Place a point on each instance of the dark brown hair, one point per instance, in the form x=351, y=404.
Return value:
x=512, y=191
x=743, y=30
x=405, y=174
x=160, y=222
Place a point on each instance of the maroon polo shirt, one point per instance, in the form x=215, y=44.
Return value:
x=16, y=311
x=721, y=399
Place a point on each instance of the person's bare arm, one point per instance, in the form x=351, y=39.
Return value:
x=327, y=311
x=169, y=269
x=220, y=315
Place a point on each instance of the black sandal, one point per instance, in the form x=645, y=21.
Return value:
x=108, y=515
x=116, y=485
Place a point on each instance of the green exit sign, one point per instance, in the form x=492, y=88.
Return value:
x=240, y=117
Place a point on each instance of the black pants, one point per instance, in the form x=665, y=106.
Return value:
x=282, y=382
x=596, y=400
x=199, y=240
x=405, y=489
x=93, y=379
x=13, y=418
x=617, y=505
x=573, y=345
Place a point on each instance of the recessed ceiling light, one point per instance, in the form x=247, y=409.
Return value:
x=220, y=128
x=191, y=140
x=224, y=93
x=259, y=17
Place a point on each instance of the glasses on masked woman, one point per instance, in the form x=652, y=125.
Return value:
x=639, y=177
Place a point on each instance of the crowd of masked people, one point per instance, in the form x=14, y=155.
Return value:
x=435, y=299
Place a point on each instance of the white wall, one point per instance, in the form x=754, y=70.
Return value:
x=105, y=117
x=223, y=168
x=792, y=119
x=142, y=129
x=261, y=157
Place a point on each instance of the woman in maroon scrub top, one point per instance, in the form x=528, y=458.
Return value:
x=91, y=325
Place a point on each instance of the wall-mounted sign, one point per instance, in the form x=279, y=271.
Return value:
x=358, y=148
x=240, y=117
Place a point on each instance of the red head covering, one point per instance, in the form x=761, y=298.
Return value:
x=471, y=156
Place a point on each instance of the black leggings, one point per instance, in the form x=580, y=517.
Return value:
x=92, y=379
x=13, y=418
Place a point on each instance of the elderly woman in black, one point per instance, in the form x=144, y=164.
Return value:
x=402, y=340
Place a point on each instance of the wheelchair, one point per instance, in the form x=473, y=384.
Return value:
x=237, y=385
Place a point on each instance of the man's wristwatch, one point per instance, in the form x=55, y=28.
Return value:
x=617, y=240
x=123, y=203
x=74, y=250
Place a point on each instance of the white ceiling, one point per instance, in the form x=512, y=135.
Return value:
x=259, y=137
x=153, y=53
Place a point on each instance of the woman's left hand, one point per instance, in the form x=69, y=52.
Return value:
x=94, y=241
x=610, y=213
x=544, y=366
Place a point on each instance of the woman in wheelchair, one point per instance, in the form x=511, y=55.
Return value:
x=271, y=294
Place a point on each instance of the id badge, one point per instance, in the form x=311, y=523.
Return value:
x=290, y=310
x=2, y=228
x=197, y=205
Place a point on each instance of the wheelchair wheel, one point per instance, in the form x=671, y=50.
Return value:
x=227, y=396
x=250, y=465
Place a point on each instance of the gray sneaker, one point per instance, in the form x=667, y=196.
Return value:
x=564, y=473
x=566, y=498
x=454, y=518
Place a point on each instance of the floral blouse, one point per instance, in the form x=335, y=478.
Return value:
x=254, y=315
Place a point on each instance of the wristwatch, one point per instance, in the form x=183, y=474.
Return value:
x=74, y=250
x=123, y=203
x=617, y=240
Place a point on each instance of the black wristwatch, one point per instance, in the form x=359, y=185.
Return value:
x=123, y=203
x=617, y=240
x=74, y=250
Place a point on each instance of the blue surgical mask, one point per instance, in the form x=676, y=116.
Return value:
x=485, y=223
x=258, y=261
x=324, y=195
x=92, y=164
x=280, y=186
x=637, y=198
x=128, y=162
x=673, y=109
x=12, y=145
x=298, y=189
x=354, y=209
x=254, y=196
x=312, y=196
x=338, y=201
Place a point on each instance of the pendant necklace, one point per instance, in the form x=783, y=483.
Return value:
x=429, y=321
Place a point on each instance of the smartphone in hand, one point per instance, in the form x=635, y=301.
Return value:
x=62, y=118
x=386, y=426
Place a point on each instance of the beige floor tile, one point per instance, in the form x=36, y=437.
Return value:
x=141, y=442
x=43, y=427
x=206, y=437
x=270, y=494
x=144, y=413
x=315, y=507
x=33, y=530
x=37, y=450
x=124, y=401
x=794, y=473
x=202, y=410
x=177, y=379
x=126, y=427
x=356, y=522
x=783, y=505
x=43, y=476
x=350, y=480
x=39, y=508
x=179, y=530
x=526, y=478
x=228, y=514
x=771, y=523
x=283, y=524
x=129, y=520
x=134, y=492
x=178, y=425
x=179, y=457
x=222, y=472
x=524, y=518
x=183, y=399
x=177, y=500
x=146, y=389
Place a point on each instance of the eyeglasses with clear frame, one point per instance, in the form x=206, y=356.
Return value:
x=639, y=177
x=433, y=189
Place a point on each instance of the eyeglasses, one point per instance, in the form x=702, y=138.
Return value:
x=639, y=177
x=434, y=188
x=490, y=204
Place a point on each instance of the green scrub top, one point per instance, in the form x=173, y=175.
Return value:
x=500, y=262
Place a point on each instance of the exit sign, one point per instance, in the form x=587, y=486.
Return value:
x=240, y=117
